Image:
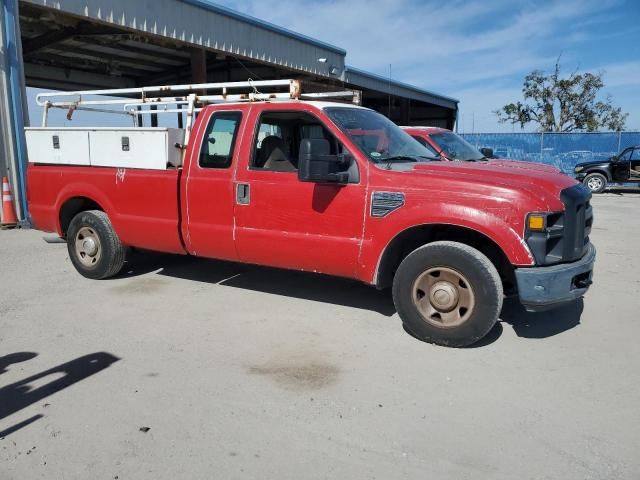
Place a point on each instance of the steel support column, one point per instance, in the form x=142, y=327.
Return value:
x=13, y=107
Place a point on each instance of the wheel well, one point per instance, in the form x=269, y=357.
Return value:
x=74, y=206
x=407, y=241
x=601, y=172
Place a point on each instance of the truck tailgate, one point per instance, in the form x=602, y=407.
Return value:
x=143, y=205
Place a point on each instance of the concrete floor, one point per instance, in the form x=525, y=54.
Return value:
x=245, y=372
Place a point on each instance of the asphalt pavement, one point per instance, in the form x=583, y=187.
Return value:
x=190, y=369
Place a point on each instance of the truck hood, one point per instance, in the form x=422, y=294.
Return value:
x=532, y=189
x=594, y=163
x=521, y=164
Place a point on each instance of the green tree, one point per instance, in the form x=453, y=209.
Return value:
x=563, y=104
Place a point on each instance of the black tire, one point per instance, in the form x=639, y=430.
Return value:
x=476, y=274
x=595, y=182
x=94, y=247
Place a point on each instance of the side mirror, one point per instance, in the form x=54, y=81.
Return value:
x=487, y=152
x=316, y=164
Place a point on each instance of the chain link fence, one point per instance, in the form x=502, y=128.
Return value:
x=562, y=150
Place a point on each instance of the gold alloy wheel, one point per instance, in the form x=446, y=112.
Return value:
x=88, y=247
x=443, y=297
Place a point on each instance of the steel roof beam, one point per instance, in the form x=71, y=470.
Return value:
x=73, y=51
x=49, y=77
x=119, y=45
x=53, y=37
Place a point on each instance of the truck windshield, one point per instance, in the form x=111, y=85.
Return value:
x=456, y=148
x=381, y=140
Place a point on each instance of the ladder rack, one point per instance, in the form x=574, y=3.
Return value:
x=164, y=99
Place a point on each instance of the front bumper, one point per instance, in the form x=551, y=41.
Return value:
x=544, y=288
x=580, y=176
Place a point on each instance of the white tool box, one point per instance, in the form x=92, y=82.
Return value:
x=148, y=148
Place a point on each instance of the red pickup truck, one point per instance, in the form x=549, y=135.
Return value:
x=450, y=146
x=331, y=188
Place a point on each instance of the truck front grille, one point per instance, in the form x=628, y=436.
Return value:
x=578, y=219
x=566, y=238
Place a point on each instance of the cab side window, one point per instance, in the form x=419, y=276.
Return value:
x=420, y=140
x=219, y=140
x=424, y=143
x=626, y=155
x=277, y=141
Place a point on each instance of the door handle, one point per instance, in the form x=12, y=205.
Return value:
x=243, y=194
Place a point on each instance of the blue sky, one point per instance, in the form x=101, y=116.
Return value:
x=476, y=51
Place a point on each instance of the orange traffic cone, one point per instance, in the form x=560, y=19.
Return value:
x=9, y=219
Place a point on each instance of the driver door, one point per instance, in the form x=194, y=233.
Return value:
x=620, y=168
x=634, y=171
x=283, y=222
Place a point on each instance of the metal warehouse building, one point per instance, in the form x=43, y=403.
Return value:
x=88, y=44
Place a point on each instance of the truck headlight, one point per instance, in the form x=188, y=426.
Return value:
x=578, y=169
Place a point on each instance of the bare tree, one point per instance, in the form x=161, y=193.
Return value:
x=559, y=104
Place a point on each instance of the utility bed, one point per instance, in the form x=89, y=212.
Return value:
x=147, y=148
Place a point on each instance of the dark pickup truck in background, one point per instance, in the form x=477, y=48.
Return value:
x=622, y=168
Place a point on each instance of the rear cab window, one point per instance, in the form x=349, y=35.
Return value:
x=219, y=140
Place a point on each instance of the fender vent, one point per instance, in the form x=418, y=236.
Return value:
x=383, y=203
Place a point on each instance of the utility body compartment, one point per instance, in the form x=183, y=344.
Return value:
x=147, y=148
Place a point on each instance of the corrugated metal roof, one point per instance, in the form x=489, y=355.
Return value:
x=361, y=78
x=201, y=23
x=261, y=23
x=204, y=23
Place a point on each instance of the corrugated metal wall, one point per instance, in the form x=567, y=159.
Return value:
x=375, y=82
x=13, y=111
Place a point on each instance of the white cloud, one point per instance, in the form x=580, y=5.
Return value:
x=477, y=105
x=621, y=74
x=477, y=52
x=408, y=33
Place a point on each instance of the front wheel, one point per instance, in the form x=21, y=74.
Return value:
x=596, y=182
x=448, y=293
x=94, y=247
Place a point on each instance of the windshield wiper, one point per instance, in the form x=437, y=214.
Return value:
x=398, y=158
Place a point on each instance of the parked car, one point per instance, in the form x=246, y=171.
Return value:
x=622, y=168
x=452, y=147
x=446, y=143
x=500, y=152
x=333, y=188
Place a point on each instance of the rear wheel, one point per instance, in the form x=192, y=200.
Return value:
x=94, y=247
x=596, y=182
x=448, y=293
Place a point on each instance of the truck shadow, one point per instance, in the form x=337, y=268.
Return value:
x=336, y=291
x=542, y=324
x=286, y=283
x=620, y=191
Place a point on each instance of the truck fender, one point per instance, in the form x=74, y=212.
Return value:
x=495, y=238
x=606, y=173
x=81, y=191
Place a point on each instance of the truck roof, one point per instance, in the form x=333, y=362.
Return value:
x=426, y=129
x=316, y=103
